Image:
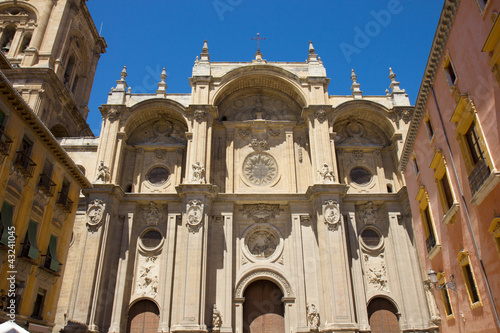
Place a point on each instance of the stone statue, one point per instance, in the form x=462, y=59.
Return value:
x=102, y=173
x=152, y=216
x=326, y=174
x=312, y=317
x=198, y=173
x=216, y=319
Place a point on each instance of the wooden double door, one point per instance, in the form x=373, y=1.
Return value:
x=263, y=310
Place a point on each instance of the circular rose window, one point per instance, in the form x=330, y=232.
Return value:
x=371, y=238
x=158, y=175
x=260, y=169
x=151, y=239
x=360, y=176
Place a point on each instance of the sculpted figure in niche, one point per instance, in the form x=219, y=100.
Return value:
x=198, y=173
x=326, y=174
x=102, y=173
x=152, y=214
x=312, y=317
x=216, y=319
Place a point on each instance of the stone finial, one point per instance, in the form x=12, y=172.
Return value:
x=204, y=56
x=394, y=84
x=313, y=57
x=311, y=47
x=162, y=86
x=123, y=73
x=121, y=84
x=356, y=92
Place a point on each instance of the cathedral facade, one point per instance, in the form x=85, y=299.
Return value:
x=255, y=203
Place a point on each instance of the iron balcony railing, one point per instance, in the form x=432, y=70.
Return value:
x=65, y=202
x=24, y=163
x=478, y=176
x=46, y=185
x=5, y=143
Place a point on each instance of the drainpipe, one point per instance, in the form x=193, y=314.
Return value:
x=469, y=223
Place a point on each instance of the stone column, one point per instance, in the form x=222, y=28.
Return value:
x=291, y=159
x=337, y=310
x=197, y=200
x=230, y=159
x=380, y=170
x=167, y=268
x=298, y=262
x=139, y=160
x=121, y=276
x=31, y=54
x=357, y=271
x=200, y=146
x=319, y=140
x=238, y=303
x=227, y=303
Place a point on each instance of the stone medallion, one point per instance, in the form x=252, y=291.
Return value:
x=260, y=169
x=262, y=242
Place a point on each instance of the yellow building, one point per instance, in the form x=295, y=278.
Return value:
x=39, y=191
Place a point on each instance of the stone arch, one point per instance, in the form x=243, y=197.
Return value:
x=383, y=315
x=261, y=273
x=139, y=299
x=368, y=111
x=148, y=110
x=265, y=77
x=59, y=131
x=31, y=10
x=387, y=298
x=143, y=316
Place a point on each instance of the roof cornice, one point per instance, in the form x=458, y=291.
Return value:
x=438, y=46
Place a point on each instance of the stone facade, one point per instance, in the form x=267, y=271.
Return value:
x=258, y=174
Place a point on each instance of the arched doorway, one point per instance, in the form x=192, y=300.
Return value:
x=263, y=310
x=143, y=317
x=383, y=316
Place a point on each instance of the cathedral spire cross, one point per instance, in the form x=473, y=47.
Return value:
x=258, y=38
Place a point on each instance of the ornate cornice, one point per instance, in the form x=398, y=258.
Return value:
x=437, y=50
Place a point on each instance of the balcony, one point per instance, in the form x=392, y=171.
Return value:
x=46, y=185
x=64, y=202
x=5, y=143
x=24, y=163
x=478, y=176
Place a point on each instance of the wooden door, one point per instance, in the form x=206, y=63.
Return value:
x=383, y=318
x=263, y=310
x=143, y=317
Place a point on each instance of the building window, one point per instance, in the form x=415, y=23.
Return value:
x=45, y=184
x=30, y=248
x=415, y=164
x=64, y=202
x=482, y=5
x=469, y=279
x=449, y=71
x=474, y=151
x=445, y=296
x=6, y=222
x=23, y=161
x=431, y=240
x=495, y=231
x=51, y=261
x=5, y=141
x=7, y=39
x=38, y=307
x=428, y=127
x=445, y=190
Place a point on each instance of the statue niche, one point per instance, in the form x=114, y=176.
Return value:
x=258, y=106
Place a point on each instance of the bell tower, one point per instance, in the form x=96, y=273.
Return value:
x=54, y=48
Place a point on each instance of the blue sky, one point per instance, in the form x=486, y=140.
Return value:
x=367, y=35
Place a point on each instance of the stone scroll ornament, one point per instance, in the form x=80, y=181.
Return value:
x=331, y=214
x=194, y=215
x=95, y=213
x=313, y=317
